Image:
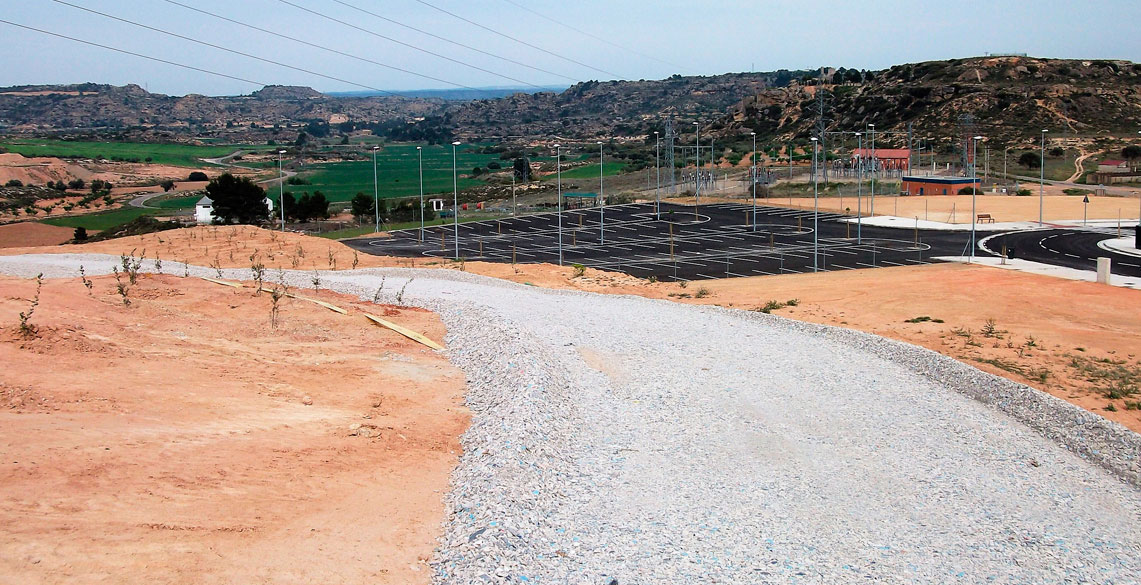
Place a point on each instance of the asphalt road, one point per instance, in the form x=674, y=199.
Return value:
x=1070, y=248
x=718, y=241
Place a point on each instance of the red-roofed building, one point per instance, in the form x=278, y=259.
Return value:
x=1113, y=166
x=891, y=159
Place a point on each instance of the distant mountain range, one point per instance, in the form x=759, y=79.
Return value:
x=461, y=95
x=1012, y=96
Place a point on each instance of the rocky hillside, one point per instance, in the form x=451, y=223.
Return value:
x=1007, y=97
x=133, y=111
x=610, y=108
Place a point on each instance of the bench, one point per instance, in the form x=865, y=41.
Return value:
x=985, y=218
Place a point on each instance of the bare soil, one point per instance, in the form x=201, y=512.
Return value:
x=957, y=208
x=30, y=233
x=1079, y=330
x=183, y=439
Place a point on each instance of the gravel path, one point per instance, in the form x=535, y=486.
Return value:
x=619, y=438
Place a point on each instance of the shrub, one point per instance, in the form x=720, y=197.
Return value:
x=198, y=176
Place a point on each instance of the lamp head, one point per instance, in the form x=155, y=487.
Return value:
x=281, y=152
x=456, y=143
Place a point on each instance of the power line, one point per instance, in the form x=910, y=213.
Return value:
x=458, y=44
x=507, y=36
x=236, y=52
x=595, y=37
x=314, y=45
x=411, y=46
x=126, y=52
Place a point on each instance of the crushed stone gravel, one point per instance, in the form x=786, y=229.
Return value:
x=623, y=439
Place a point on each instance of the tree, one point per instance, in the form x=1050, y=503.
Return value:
x=75, y=184
x=475, y=172
x=362, y=207
x=80, y=234
x=167, y=185
x=307, y=207
x=1131, y=153
x=198, y=176
x=1057, y=151
x=14, y=183
x=237, y=200
x=99, y=186
x=1030, y=160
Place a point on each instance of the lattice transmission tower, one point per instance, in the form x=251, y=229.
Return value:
x=670, y=153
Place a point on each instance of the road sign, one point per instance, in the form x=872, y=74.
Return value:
x=1085, y=199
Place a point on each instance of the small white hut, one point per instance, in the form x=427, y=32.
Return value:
x=204, y=210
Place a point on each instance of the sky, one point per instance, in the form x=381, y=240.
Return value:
x=601, y=40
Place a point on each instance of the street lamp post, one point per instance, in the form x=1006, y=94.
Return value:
x=281, y=188
x=601, y=200
x=754, y=177
x=559, y=172
x=697, y=188
x=860, y=189
x=375, y=190
x=420, y=153
x=872, y=202
x=658, y=169
x=815, y=207
x=974, y=192
x=1004, y=152
x=514, y=201
x=1042, y=177
x=455, y=200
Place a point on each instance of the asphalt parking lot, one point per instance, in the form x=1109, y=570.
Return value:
x=716, y=241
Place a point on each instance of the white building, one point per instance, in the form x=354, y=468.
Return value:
x=204, y=210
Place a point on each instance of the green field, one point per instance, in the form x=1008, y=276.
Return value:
x=368, y=229
x=591, y=171
x=182, y=155
x=175, y=202
x=103, y=220
x=1057, y=168
x=397, y=173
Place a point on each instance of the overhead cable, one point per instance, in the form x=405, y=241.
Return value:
x=595, y=37
x=456, y=43
x=409, y=45
x=255, y=57
x=522, y=42
x=132, y=53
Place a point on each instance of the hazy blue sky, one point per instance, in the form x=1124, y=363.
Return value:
x=691, y=37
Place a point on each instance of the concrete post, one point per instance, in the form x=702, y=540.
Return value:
x=1103, y=270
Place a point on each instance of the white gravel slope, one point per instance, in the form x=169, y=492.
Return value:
x=618, y=438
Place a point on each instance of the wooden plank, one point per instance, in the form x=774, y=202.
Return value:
x=331, y=307
x=404, y=331
x=222, y=282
